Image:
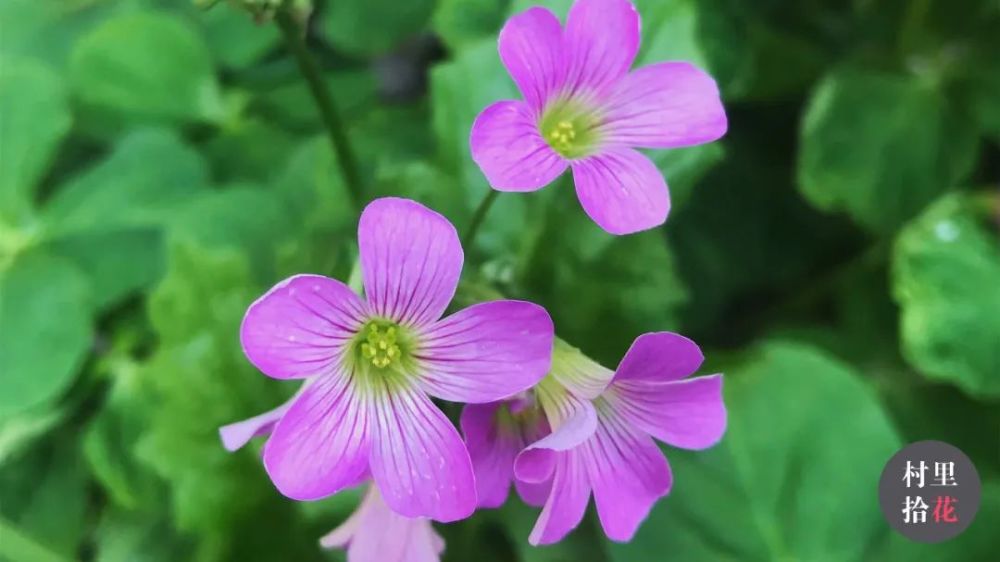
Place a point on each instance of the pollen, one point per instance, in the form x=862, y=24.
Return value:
x=570, y=129
x=380, y=346
x=562, y=136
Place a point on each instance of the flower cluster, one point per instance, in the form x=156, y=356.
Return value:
x=539, y=413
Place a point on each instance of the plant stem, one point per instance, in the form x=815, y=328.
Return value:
x=324, y=102
x=478, y=216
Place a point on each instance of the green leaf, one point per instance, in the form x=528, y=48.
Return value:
x=460, y=89
x=117, y=263
x=220, y=220
x=234, y=38
x=47, y=31
x=45, y=313
x=126, y=537
x=946, y=279
x=108, y=220
x=460, y=22
x=200, y=380
x=45, y=495
x=629, y=282
x=110, y=439
x=146, y=67
x=19, y=430
x=312, y=187
x=372, y=27
x=36, y=117
x=803, y=432
x=880, y=147
x=148, y=176
x=756, y=55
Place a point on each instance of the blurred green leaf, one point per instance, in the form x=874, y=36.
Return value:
x=460, y=22
x=220, y=220
x=880, y=146
x=372, y=27
x=44, y=495
x=148, y=176
x=19, y=430
x=126, y=537
x=628, y=282
x=146, y=67
x=754, y=55
x=460, y=89
x=199, y=381
x=249, y=150
x=116, y=262
x=946, y=279
x=47, y=30
x=109, y=441
x=45, y=313
x=107, y=220
x=312, y=187
x=804, y=432
x=234, y=38
x=35, y=119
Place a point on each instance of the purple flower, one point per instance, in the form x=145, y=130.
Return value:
x=495, y=433
x=370, y=365
x=603, y=426
x=375, y=533
x=583, y=109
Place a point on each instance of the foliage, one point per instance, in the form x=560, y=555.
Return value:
x=836, y=254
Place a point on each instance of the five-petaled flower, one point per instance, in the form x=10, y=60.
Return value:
x=370, y=364
x=584, y=110
x=603, y=425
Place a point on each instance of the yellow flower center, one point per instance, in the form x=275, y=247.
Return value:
x=561, y=137
x=380, y=345
x=570, y=128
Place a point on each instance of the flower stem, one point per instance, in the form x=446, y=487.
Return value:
x=324, y=102
x=478, y=216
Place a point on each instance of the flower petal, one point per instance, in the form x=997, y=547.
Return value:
x=687, y=413
x=299, y=327
x=659, y=357
x=628, y=474
x=602, y=39
x=621, y=190
x=531, y=48
x=567, y=501
x=486, y=352
x=534, y=494
x=374, y=533
x=418, y=459
x=492, y=449
x=321, y=444
x=410, y=259
x=235, y=435
x=573, y=421
x=506, y=144
x=664, y=105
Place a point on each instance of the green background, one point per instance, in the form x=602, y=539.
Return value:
x=837, y=255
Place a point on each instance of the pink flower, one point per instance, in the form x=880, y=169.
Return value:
x=375, y=533
x=584, y=110
x=603, y=426
x=369, y=365
x=495, y=433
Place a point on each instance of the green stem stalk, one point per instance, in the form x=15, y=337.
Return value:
x=324, y=102
x=478, y=216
